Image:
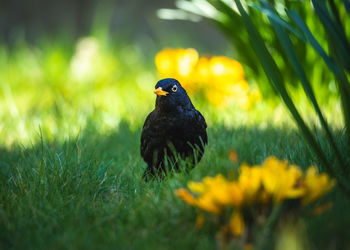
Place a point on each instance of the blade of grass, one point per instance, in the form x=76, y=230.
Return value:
x=347, y=5
x=343, y=83
x=271, y=15
x=297, y=67
x=234, y=20
x=335, y=13
x=276, y=79
x=334, y=31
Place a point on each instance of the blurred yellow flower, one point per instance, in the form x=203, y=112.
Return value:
x=224, y=69
x=250, y=180
x=185, y=196
x=316, y=185
x=237, y=224
x=217, y=190
x=220, y=78
x=179, y=64
x=208, y=203
x=196, y=187
x=280, y=181
x=223, y=191
x=255, y=190
x=202, y=73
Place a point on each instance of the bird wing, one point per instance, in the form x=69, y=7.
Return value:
x=145, y=135
x=153, y=136
x=202, y=126
x=179, y=130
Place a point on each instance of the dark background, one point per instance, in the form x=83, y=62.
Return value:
x=123, y=20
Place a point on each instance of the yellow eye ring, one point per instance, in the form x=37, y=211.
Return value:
x=174, y=88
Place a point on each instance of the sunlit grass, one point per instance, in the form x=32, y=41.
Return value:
x=71, y=115
x=59, y=90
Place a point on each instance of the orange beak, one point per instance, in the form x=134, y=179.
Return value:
x=159, y=91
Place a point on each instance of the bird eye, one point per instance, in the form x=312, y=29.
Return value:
x=174, y=88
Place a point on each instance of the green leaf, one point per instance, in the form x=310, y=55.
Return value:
x=270, y=14
x=297, y=67
x=347, y=5
x=335, y=32
x=171, y=14
x=276, y=79
x=202, y=8
x=343, y=83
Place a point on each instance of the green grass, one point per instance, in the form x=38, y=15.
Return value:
x=70, y=167
x=87, y=192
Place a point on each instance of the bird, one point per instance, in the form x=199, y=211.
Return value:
x=173, y=130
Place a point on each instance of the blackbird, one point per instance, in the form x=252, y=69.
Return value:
x=173, y=129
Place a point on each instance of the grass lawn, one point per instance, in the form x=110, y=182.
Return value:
x=87, y=192
x=70, y=167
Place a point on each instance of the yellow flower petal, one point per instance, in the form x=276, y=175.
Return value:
x=186, y=196
x=207, y=203
x=236, y=194
x=237, y=224
x=179, y=64
x=281, y=181
x=316, y=185
x=196, y=187
x=250, y=182
x=222, y=191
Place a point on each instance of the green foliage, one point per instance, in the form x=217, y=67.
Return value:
x=87, y=192
x=289, y=38
x=225, y=15
x=337, y=41
x=71, y=117
x=60, y=89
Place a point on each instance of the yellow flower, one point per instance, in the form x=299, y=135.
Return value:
x=165, y=62
x=224, y=69
x=227, y=83
x=237, y=224
x=223, y=191
x=316, y=185
x=202, y=72
x=216, y=192
x=274, y=180
x=196, y=187
x=280, y=181
x=250, y=181
x=218, y=188
x=179, y=64
x=236, y=194
x=185, y=196
x=220, y=78
x=207, y=203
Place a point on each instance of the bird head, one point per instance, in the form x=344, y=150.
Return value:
x=171, y=95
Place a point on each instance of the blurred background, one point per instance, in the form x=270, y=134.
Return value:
x=66, y=65
x=76, y=84
x=133, y=22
